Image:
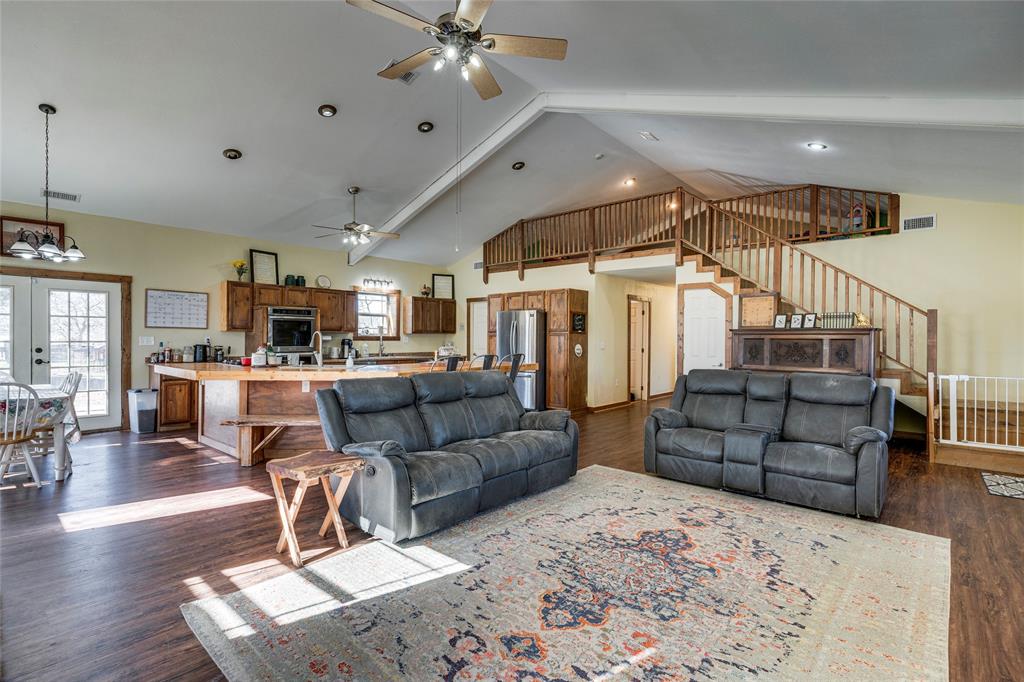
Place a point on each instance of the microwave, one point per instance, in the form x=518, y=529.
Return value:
x=290, y=330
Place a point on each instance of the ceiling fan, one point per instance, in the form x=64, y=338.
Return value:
x=355, y=232
x=459, y=33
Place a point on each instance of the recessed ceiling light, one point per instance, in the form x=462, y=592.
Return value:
x=232, y=154
x=327, y=110
x=598, y=156
x=629, y=182
x=649, y=136
x=817, y=146
x=518, y=165
x=425, y=127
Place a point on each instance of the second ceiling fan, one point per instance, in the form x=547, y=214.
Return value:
x=459, y=34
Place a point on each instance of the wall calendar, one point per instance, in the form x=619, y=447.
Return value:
x=166, y=308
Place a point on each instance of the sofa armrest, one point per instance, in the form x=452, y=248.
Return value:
x=669, y=419
x=773, y=433
x=547, y=420
x=872, y=478
x=650, y=445
x=859, y=435
x=377, y=448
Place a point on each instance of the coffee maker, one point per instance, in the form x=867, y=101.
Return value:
x=346, y=348
x=201, y=352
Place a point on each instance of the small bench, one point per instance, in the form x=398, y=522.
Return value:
x=249, y=455
x=307, y=469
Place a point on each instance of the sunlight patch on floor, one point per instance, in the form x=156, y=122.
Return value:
x=362, y=572
x=146, y=510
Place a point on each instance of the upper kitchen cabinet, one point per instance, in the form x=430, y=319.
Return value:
x=558, y=310
x=514, y=301
x=535, y=300
x=235, y=306
x=298, y=297
x=495, y=304
x=429, y=315
x=267, y=294
x=331, y=305
x=350, y=310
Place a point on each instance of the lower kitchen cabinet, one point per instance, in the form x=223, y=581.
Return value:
x=177, y=402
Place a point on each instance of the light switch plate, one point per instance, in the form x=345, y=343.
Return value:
x=305, y=387
x=146, y=341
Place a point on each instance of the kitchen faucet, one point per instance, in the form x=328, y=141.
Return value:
x=380, y=348
x=318, y=353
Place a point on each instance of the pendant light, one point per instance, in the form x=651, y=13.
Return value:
x=46, y=246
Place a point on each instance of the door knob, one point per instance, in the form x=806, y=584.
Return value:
x=40, y=361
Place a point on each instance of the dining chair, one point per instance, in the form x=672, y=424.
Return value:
x=42, y=442
x=19, y=404
x=486, y=361
x=515, y=361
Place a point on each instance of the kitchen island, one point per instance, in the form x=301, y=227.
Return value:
x=227, y=392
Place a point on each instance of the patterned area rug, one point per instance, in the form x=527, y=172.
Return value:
x=1004, y=485
x=612, y=576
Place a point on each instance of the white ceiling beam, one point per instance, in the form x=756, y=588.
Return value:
x=886, y=111
x=889, y=111
x=519, y=121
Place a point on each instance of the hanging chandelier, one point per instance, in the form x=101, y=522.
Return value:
x=45, y=246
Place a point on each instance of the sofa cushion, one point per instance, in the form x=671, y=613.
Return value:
x=494, y=410
x=832, y=389
x=702, y=444
x=441, y=402
x=381, y=409
x=496, y=457
x=766, y=400
x=824, y=407
x=811, y=460
x=714, y=398
x=434, y=474
x=541, y=446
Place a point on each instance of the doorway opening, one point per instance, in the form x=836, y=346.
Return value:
x=638, y=347
x=476, y=327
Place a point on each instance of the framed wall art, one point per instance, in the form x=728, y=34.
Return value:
x=12, y=227
x=262, y=266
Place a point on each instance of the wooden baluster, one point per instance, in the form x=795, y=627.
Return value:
x=812, y=283
x=885, y=324
x=792, y=292
x=933, y=341
x=899, y=320
x=846, y=281
x=815, y=210
x=910, y=338
x=835, y=290
x=858, y=296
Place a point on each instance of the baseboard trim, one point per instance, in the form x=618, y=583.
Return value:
x=609, y=406
x=656, y=396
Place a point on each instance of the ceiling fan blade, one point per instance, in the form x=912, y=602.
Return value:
x=472, y=11
x=391, y=13
x=408, y=64
x=483, y=81
x=525, y=46
x=328, y=227
x=321, y=236
x=383, y=235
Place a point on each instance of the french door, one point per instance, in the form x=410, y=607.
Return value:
x=58, y=326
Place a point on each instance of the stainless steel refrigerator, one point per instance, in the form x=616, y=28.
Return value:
x=525, y=331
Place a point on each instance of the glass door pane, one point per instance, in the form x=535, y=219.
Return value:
x=78, y=343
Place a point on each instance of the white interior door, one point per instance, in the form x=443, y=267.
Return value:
x=76, y=326
x=16, y=327
x=478, y=328
x=639, y=361
x=703, y=330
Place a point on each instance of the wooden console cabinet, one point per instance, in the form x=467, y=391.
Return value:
x=839, y=351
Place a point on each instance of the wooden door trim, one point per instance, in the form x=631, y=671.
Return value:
x=629, y=350
x=469, y=322
x=681, y=290
x=126, y=315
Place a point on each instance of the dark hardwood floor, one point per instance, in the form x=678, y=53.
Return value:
x=101, y=603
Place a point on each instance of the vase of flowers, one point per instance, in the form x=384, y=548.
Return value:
x=240, y=268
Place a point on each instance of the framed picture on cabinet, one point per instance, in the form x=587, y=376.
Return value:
x=263, y=266
x=796, y=321
x=810, y=320
x=443, y=286
x=780, y=321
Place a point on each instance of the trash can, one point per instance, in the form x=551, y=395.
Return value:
x=142, y=410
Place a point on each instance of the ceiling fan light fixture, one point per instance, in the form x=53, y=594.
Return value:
x=439, y=64
x=450, y=52
x=465, y=72
x=629, y=182
x=475, y=61
x=363, y=239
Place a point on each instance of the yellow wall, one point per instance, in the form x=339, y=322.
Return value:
x=163, y=257
x=607, y=320
x=970, y=268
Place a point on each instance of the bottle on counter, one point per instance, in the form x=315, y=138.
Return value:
x=160, y=353
x=350, y=361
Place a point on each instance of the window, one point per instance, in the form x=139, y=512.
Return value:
x=377, y=311
x=78, y=343
x=6, y=313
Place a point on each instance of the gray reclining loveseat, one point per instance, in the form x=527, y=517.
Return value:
x=439, y=447
x=817, y=440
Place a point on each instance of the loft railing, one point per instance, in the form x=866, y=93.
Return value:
x=682, y=221
x=807, y=213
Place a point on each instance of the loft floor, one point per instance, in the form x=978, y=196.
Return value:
x=101, y=602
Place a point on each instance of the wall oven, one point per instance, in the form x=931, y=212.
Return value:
x=290, y=330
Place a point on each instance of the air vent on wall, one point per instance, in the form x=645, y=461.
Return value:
x=64, y=196
x=920, y=222
x=478, y=265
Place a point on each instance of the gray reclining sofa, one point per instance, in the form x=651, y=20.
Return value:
x=817, y=440
x=440, y=447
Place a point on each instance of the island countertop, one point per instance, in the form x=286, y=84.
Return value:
x=201, y=371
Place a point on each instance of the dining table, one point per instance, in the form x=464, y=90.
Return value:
x=53, y=407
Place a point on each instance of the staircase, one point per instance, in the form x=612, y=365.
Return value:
x=755, y=239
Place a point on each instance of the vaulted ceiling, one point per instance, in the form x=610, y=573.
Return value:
x=149, y=93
